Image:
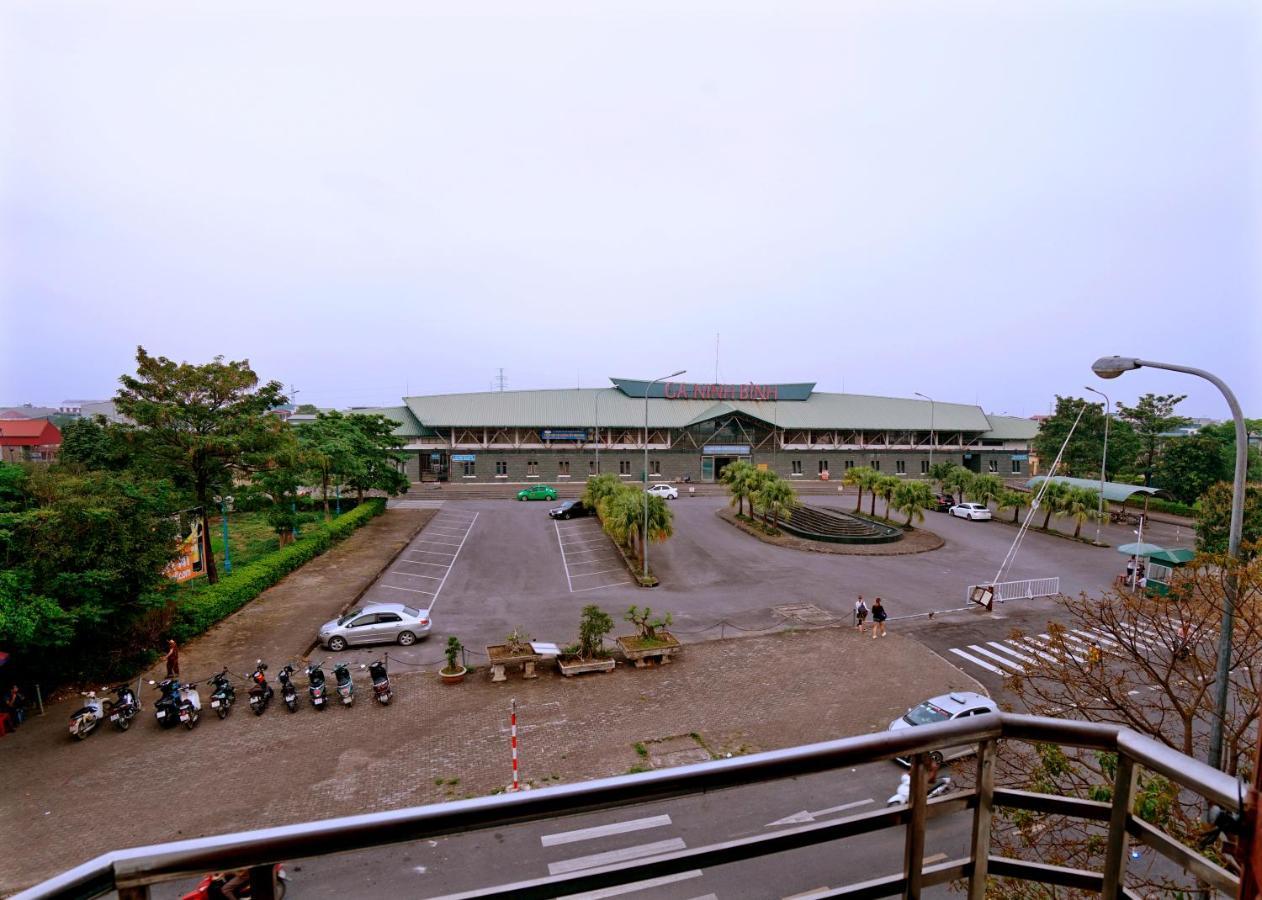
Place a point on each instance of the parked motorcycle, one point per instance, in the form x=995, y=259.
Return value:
x=167, y=709
x=190, y=708
x=124, y=708
x=84, y=720
x=315, y=685
x=223, y=695
x=380, y=681
x=211, y=886
x=939, y=786
x=288, y=692
x=261, y=693
x=345, y=687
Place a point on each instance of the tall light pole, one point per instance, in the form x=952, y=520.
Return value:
x=598, y=431
x=931, y=441
x=645, y=546
x=1113, y=366
x=1104, y=460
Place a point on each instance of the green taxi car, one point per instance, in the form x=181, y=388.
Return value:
x=537, y=492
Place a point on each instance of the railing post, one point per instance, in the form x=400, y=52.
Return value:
x=914, y=848
x=981, y=820
x=263, y=882
x=1115, y=851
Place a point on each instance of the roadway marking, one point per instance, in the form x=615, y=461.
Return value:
x=589, y=574
x=1002, y=660
x=452, y=565
x=568, y=581
x=409, y=590
x=597, y=587
x=647, y=883
x=974, y=659
x=441, y=543
x=804, y=816
x=1010, y=651
x=431, y=552
x=414, y=562
x=414, y=575
x=587, y=834
x=610, y=857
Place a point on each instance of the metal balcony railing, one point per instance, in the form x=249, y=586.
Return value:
x=130, y=872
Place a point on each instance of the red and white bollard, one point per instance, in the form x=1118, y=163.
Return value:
x=516, y=785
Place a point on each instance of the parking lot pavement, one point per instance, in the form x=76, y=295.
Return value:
x=419, y=572
x=588, y=557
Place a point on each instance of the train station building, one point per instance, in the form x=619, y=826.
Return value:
x=694, y=430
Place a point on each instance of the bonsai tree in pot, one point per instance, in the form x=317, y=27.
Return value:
x=453, y=672
x=589, y=654
x=515, y=649
x=651, y=640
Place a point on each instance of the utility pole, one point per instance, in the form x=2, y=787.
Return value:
x=500, y=381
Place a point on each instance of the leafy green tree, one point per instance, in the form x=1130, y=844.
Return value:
x=1189, y=465
x=1015, y=501
x=95, y=444
x=1213, y=520
x=985, y=489
x=774, y=497
x=859, y=477
x=740, y=478
x=592, y=628
x=911, y=497
x=1152, y=417
x=884, y=488
x=329, y=446
x=1085, y=450
x=1225, y=433
x=378, y=461
x=200, y=425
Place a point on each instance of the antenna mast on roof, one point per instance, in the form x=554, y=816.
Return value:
x=716, y=357
x=500, y=381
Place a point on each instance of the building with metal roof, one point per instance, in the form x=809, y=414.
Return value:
x=1114, y=491
x=694, y=430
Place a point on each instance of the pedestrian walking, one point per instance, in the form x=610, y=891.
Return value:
x=172, y=659
x=860, y=614
x=878, y=618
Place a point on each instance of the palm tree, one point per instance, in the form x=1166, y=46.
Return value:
x=661, y=520
x=1081, y=504
x=939, y=472
x=598, y=488
x=912, y=497
x=1053, y=499
x=856, y=477
x=739, y=478
x=957, y=481
x=985, y=488
x=885, y=487
x=775, y=496
x=1015, y=501
x=621, y=514
x=870, y=479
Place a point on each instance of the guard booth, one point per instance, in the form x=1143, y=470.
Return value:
x=1161, y=566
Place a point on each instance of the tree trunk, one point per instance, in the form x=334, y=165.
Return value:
x=324, y=486
x=909, y=515
x=212, y=574
x=1016, y=512
x=1078, y=528
x=359, y=494
x=872, y=508
x=1047, y=518
x=858, y=503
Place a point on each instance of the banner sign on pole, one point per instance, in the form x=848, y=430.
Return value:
x=188, y=564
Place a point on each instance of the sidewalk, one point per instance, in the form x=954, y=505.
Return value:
x=65, y=801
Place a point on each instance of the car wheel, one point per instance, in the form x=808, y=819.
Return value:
x=406, y=639
x=337, y=644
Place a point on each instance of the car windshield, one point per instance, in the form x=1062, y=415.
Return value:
x=350, y=615
x=414, y=613
x=926, y=714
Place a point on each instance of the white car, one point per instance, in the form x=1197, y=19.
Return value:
x=945, y=709
x=974, y=511
x=665, y=491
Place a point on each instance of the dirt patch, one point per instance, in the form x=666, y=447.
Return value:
x=916, y=541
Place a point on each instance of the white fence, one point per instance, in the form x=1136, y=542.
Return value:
x=1016, y=590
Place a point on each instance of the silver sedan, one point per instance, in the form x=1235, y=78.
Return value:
x=381, y=623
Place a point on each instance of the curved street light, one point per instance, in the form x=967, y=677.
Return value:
x=1112, y=367
x=645, y=545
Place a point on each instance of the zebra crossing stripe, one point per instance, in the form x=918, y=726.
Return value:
x=973, y=659
x=1065, y=650
x=1020, y=656
x=1031, y=647
x=1015, y=666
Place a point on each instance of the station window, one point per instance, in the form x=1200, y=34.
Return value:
x=655, y=467
x=624, y=467
x=876, y=465
x=469, y=468
x=797, y=467
x=823, y=466
x=532, y=467
x=924, y=467
x=563, y=467
x=501, y=467
x=848, y=464
x=900, y=466
x=1016, y=467
x=992, y=465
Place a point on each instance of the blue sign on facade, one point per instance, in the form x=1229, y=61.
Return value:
x=726, y=450
x=463, y=457
x=435, y=457
x=1021, y=457
x=563, y=434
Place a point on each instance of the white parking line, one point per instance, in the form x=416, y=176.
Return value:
x=409, y=590
x=452, y=564
x=589, y=574
x=592, y=541
x=586, y=834
x=597, y=587
x=568, y=582
x=414, y=574
x=417, y=562
x=432, y=552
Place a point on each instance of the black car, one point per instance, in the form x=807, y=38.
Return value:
x=943, y=502
x=571, y=509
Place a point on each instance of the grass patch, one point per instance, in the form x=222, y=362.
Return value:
x=640, y=750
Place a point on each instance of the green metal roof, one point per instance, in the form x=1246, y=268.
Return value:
x=1175, y=556
x=1113, y=491
x=578, y=408
x=1011, y=428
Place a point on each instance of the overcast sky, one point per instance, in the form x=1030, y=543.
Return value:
x=973, y=201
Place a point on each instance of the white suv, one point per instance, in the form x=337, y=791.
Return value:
x=665, y=491
x=971, y=511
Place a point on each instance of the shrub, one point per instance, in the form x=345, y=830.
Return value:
x=203, y=608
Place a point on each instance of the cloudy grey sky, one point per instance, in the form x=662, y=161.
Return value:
x=969, y=200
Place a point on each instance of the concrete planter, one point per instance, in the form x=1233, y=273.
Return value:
x=502, y=657
x=452, y=677
x=639, y=651
x=581, y=666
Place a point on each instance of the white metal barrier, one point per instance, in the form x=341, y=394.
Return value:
x=1013, y=590
x=1158, y=572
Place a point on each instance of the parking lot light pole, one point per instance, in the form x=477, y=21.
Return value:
x=1113, y=366
x=930, y=399
x=598, y=431
x=645, y=547
x=1104, y=459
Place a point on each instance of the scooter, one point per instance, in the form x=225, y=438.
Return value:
x=315, y=685
x=941, y=785
x=261, y=693
x=85, y=719
x=345, y=687
x=211, y=886
x=288, y=692
x=380, y=681
x=167, y=709
x=190, y=709
x=223, y=696
x=124, y=708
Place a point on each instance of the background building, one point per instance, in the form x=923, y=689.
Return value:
x=29, y=440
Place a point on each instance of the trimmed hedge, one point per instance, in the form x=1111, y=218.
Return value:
x=203, y=608
x=1164, y=506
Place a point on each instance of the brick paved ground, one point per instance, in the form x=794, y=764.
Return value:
x=65, y=802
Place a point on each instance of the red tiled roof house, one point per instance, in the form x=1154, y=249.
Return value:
x=29, y=440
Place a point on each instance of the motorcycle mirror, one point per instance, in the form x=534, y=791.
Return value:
x=151, y=681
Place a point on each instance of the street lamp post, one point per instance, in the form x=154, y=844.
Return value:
x=597, y=431
x=645, y=546
x=223, y=518
x=1113, y=366
x=1104, y=460
x=931, y=439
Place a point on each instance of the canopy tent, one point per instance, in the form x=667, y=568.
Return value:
x=1175, y=556
x=1143, y=548
x=1114, y=491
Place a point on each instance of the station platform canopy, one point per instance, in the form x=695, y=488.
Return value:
x=1114, y=492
